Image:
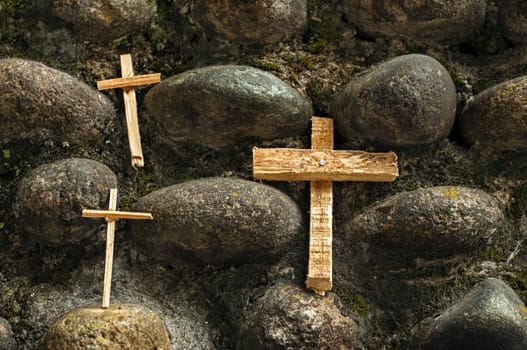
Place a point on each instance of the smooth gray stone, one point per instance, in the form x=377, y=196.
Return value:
x=106, y=20
x=288, y=316
x=251, y=22
x=495, y=118
x=50, y=200
x=442, y=21
x=219, y=105
x=408, y=100
x=441, y=221
x=490, y=317
x=218, y=221
x=39, y=103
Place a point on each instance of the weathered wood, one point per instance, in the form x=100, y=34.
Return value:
x=115, y=215
x=286, y=164
x=321, y=165
x=320, y=265
x=111, y=215
x=108, y=264
x=128, y=82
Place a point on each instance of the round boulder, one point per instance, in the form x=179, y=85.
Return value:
x=408, y=100
x=443, y=21
x=39, y=103
x=251, y=22
x=218, y=105
x=50, y=200
x=431, y=221
x=512, y=15
x=105, y=20
x=127, y=326
x=491, y=316
x=7, y=340
x=217, y=221
x=496, y=117
x=288, y=316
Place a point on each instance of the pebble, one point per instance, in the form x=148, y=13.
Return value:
x=442, y=21
x=39, y=103
x=50, y=199
x=408, y=100
x=512, y=16
x=121, y=326
x=7, y=340
x=252, y=22
x=217, y=106
x=106, y=20
x=491, y=316
x=218, y=221
x=431, y=221
x=495, y=118
x=288, y=316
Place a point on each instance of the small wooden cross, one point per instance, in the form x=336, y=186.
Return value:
x=322, y=165
x=111, y=215
x=128, y=82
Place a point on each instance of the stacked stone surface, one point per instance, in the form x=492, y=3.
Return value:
x=7, y=340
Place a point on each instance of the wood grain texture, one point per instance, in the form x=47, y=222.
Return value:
x=286, y=164
x=115, y=215
x=128, y=81
x=108, y=264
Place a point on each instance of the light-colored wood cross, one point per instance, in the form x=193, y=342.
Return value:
x=321, y=165
x=111, y=215
x=128, y=83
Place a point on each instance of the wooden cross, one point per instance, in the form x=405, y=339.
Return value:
x=321, y=165
x=128, y=83
x=111, y=215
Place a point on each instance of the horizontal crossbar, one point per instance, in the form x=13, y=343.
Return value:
x=115, y=215
x=129, y=82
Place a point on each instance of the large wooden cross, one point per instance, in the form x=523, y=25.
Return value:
x=128, y=83
x=322, y=165
x=111, y=215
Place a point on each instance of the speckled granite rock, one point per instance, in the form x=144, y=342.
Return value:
x=288, y=316
x=512, y=16
x=131, y=327
x=407, y=100
x=217, y=221
x=50, y=199
x=490, y=317
x=431, y=221
x=105, y=20
x=219, y=105
x=253, y=22
x=444, y=21
x=39, y=103
x=7, y=340
x=495, y=118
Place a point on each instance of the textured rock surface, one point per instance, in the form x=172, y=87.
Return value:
x=513, y=20
x=118, y=327
x=217, y=221
x=50, y=200
x=217, y=106
x=444, y=21
x=39, y=103
x=436, y=220
x=496, y=118
x=7, y=341
x=289, y=317
x=106, y=20
x=255, y=22
x=407, y=100
x=490, y=317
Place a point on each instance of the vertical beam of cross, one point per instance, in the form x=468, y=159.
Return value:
x=128, y=83
x=322, y=165
x=111, y=215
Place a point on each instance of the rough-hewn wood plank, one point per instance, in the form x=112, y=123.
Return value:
x=129, y=81
x=115, y=215
x=286, y=164
x=320, y=266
